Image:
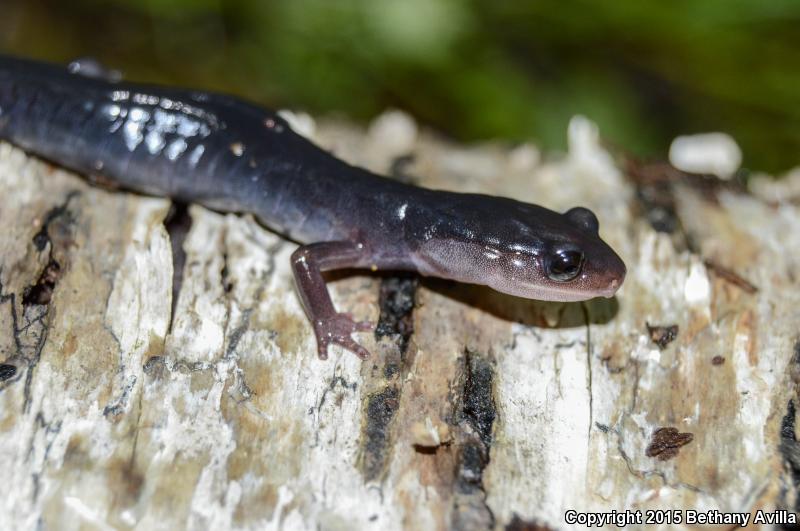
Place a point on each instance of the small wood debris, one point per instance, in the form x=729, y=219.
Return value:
x=662, y=335
x=666, y=443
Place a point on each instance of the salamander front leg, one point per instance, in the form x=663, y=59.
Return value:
x=330, y=327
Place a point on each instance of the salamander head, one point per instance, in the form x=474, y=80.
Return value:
x=523, y=250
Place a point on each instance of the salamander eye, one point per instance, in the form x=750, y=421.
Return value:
x=583, y=217
x=564, y=265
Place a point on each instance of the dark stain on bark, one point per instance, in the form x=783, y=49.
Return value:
x=43, y=237
x=155, y=366
x=7, y=371
x=177, y=224
x=474, y=415
x=518, y=524
x=478, y=408
x=397, y=298
x=41, y=291
x=383, y=383
x=30, y=320
x=381, y=409
x=789, y=448
x=336, y=381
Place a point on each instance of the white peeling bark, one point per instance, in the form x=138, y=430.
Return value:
x=117, y=414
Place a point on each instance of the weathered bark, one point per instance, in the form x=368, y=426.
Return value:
x=477, y=410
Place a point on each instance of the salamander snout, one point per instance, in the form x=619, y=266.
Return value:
x=608, y=278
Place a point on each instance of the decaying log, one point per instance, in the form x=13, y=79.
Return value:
x=122, y=408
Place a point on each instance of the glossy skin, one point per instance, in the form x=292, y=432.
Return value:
x=229, y=155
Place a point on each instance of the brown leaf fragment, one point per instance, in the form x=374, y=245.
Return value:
x=666, y=443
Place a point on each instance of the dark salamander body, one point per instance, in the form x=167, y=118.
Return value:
x=230, y=155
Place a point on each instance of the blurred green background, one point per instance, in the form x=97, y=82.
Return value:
x=644, y=70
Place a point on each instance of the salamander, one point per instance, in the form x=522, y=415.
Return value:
x=230, y=155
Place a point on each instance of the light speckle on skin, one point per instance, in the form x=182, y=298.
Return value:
x=116, y=115
x=112, y=111
x=237, y=148
x=153, y=125
x=188, y=127
x=165, y=121
x=138, y=114
x=98, y=165
x=186, y=110
x=155, y=142
x=269, y=123
x=134, y=126
x=401, y=212
x=120, y=95
x=168, y=104
x=185, y=126
x=491, y=253
x=197, y=152
x=519, y=248
x=176, y=148
x=145, y=99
